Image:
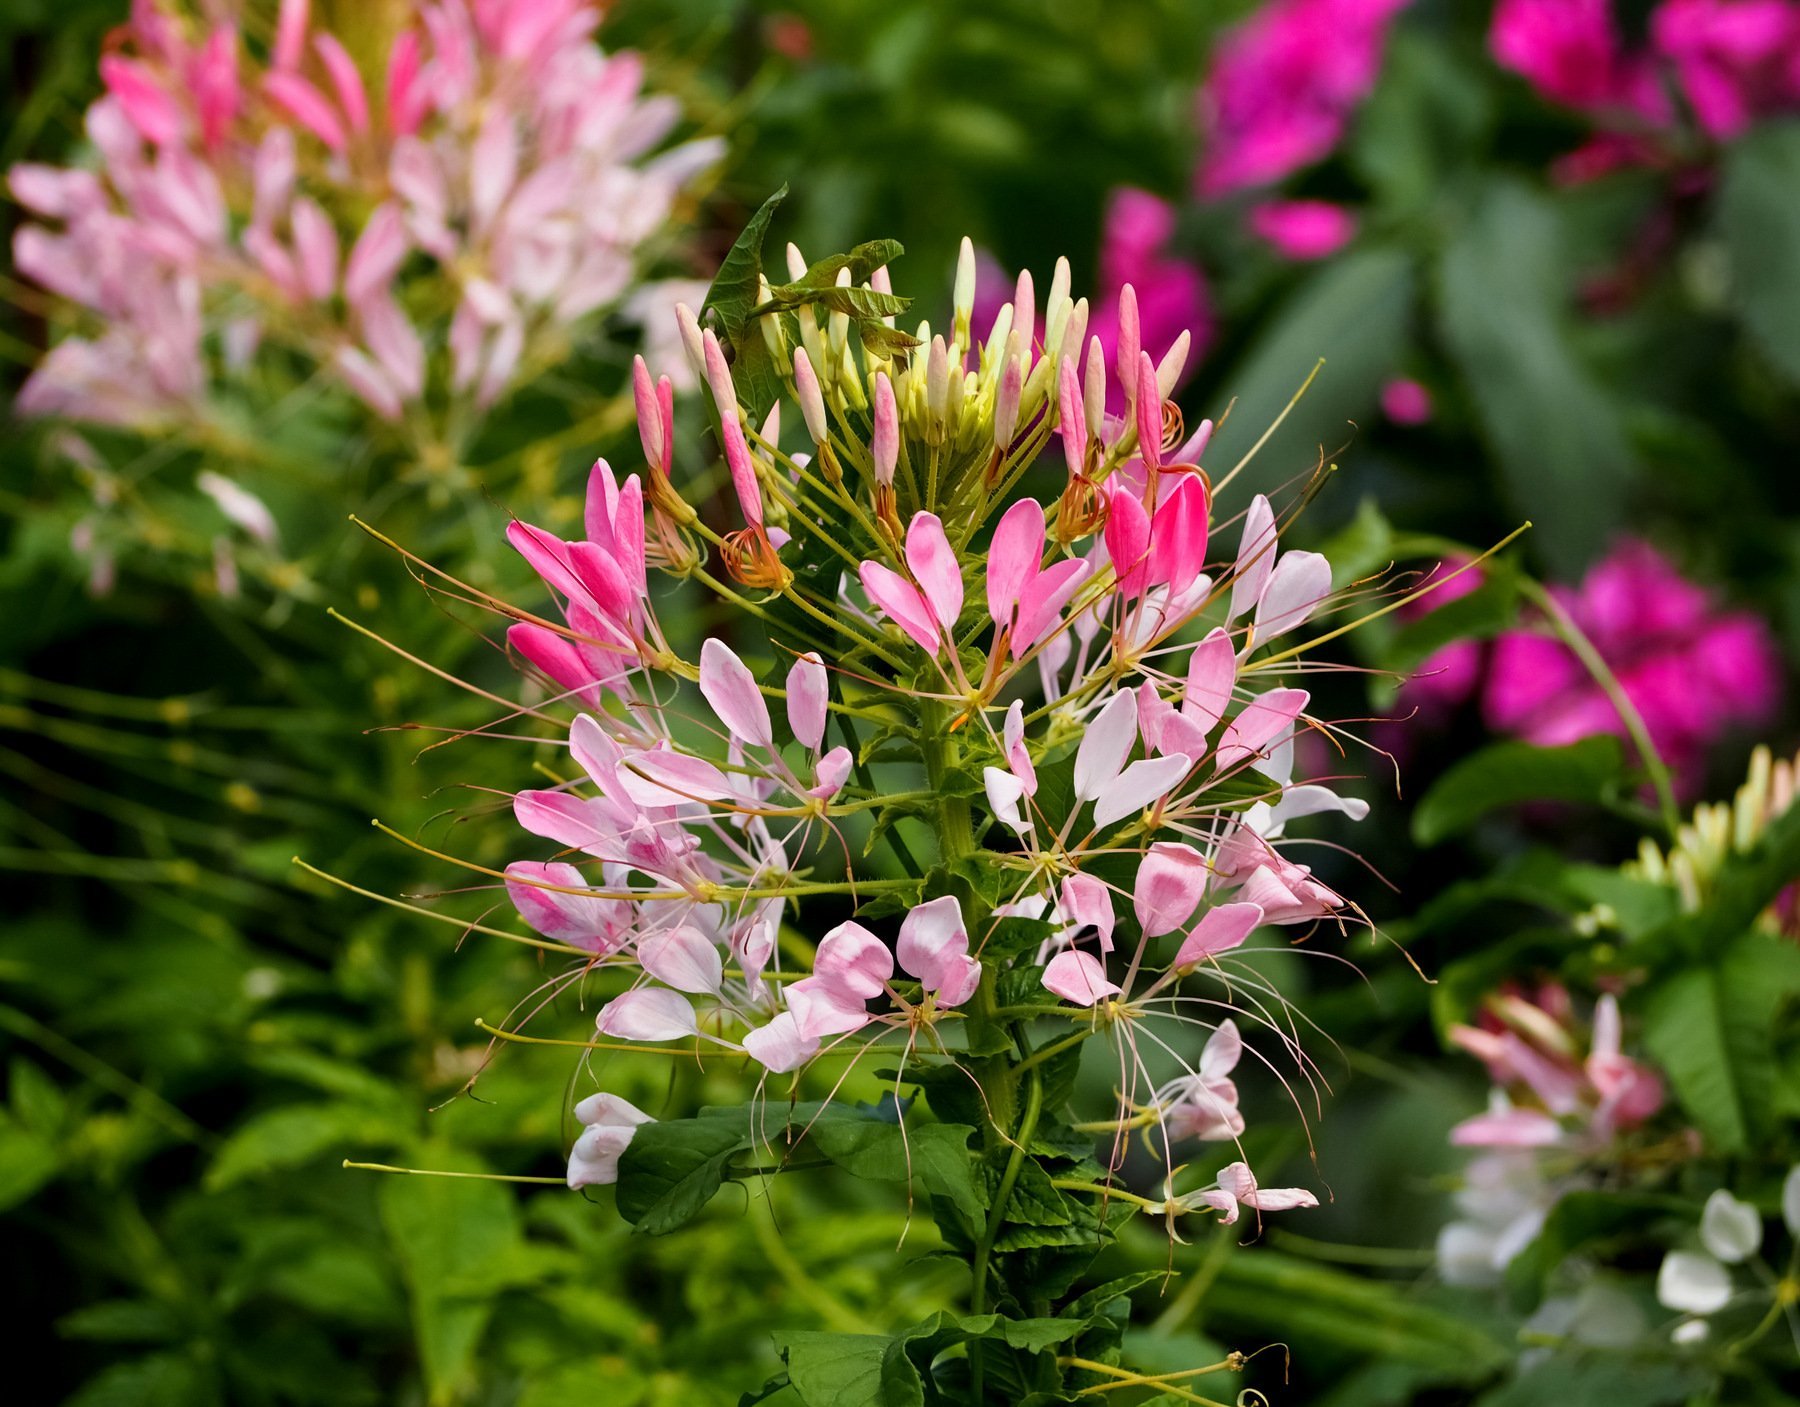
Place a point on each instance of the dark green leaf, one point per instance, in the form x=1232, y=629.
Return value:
x=1562, y=450
x=850, y=1370
x=1506, y=774
x=674, y=1167
x=1759, y=216
x=734, y=294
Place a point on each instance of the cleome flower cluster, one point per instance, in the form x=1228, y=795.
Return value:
x=423, y=223
x=1057, y=668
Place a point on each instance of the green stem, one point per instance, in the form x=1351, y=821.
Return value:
x=1576, y=639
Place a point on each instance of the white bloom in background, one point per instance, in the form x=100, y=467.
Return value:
x=1731, y=1230
x=1693, y=1283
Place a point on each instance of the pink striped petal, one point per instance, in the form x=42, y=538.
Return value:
x=1219, y=931
x=808, y=697
x=933, y=564
x=730, y=688
x=647, y=1014
x=1079, y=978
x=1263, y=720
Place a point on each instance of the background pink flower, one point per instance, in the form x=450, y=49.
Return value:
x=1692, y=669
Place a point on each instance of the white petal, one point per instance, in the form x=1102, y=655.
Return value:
x=1693, y=1283
x=1730, y=1229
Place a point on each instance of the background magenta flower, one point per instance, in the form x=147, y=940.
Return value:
x=1303, y=229
x=1691, y=668
x=1283, y=86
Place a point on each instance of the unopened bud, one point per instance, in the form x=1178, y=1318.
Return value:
x=1149, y=413
x=718, y=376
x=1074, y=332
x=773, y=332
x=1130, y=342
x=812, y=400
x=796, y=262
x=1168, y=371
x=649, y=416
x=1006, y=404
x=1056, y=307
x=882, y=282
x=1093, y=384
x=837, y=326
x=937, y=384
x=1024, y=308
x=690, y=339
x=884, y=446
x=963, y=293
x=1000, y=335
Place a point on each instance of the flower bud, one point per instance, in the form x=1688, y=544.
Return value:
x=812, y=401
x=937, y=386
x=1057, y=307
x=963, y=293
x=1006, y=404
x=884, y=447
x=649, y=416
x=1174, y=361
x=1093, y=385
x=690, y=339
x=796, y=262
x=1130, y=342
x=773, y=332
x=837, y=325
x=1074, y=332
x=1024, y=309
x=881, y=282
x=718, y=376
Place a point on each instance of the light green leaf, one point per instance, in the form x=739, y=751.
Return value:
x=850, y=1370
x=1354, y=313
x=291, y=1136
x=445, y=1230
x=27, y=1161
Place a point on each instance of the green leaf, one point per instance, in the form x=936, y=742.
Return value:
x=1759, y=217
x=673, y=1168
x=860, y=303
x=1506, y=774
x=122, y=1321
x=876, y=1148
x=291, y=1136
x=1094, y=1301
x=850, y=1370
x=1711, y=1029
x=862, y=261
x=1353, y=312
x=1599, y=1380
x=27, y=1161
x=446, y=1231
x=885, y=341
x=1558, y=438
x=732, y=298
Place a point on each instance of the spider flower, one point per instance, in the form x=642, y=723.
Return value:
x=1060, y=685
x=423, y=223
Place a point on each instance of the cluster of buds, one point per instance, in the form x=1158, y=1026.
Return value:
x=1716, y=833
x=426, y=241
x=1073, y=697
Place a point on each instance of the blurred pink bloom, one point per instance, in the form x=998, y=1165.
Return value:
x=1731, y=61
x=1735, y=60
x=1171, y=292
x=1283, y=86
x=1406, y=402
x=1692, y=669
x=1303, y=229
x=509, y=165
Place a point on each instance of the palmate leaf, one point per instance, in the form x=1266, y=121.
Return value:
x=732, y=300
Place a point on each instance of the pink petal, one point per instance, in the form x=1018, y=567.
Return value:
x=728, y=685
x=1012, y=740
x=1220, y=929
x=1149, y=410
x=659, y=778
x=933, y=563
x=884, y=443
x=1299, y=582
x=854, y=959
x=1260, y=723
x=1178, y=535
x=1086, y=905
x=316, y=244
x=779, y=1047
x=583, y=920
x=557, y=657
x=902, y=602
x=307, y=106
x=1079, y=977
x=1224, y=1048
x=1169, y=885
x=808, y=695
x=1014, y=559
x=1044, y=599
x=1511, y=1128
x=934, y=947
x=1255, y=559
x=1128, y=542
x=345, y=79
x=290, y=34
x=647, y=1014
x=1140, y=785
x=377, y=254
x=1212, y=669
x=1105, y=745
x=683, y=958
x=1073, y=423
x=831, y=773
x=146, y=105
